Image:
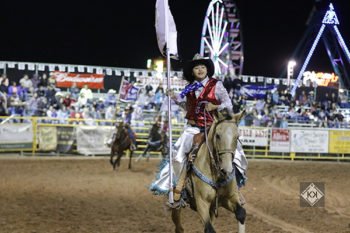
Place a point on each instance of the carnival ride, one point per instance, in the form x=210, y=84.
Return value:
x=221, y=38
x=336, y=48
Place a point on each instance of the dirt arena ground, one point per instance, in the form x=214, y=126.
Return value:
x=84, y=195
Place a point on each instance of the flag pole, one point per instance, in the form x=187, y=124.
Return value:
x=171, y=192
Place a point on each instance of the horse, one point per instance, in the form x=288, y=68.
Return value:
x=212, y=176
x=121, y=142
x=158, y=141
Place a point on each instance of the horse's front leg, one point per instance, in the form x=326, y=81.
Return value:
x=112, y=157
x=203, y=209
x=176, y=217
x=130, y=157
x=232, y=204
x=117, y=161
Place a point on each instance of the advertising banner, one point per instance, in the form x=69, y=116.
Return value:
x=256, y=91
x=91, y=139
x=176, y=83
x=16, y=136
x=253, y=137
x=309, y=141
x=66, y=139
x=65, y=79
x=47, y=138
x=279, y=140
x=339, y=141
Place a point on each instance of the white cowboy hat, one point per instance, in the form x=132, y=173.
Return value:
x=111, y=91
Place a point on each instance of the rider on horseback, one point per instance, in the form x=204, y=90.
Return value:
x=201, y=98
x=127, y=123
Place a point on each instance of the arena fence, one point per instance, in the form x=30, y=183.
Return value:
x=52, y=136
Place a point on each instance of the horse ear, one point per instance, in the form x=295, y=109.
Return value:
x=237, y=117
x=224, y=114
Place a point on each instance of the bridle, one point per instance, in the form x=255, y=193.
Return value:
x=215, y=155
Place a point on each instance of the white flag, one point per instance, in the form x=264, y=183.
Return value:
x=165, y=25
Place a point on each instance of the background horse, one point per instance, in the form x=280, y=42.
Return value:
x=157, y=141
x=120, y=144
x=213, y=176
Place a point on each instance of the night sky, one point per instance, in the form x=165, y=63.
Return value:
x=122, y=34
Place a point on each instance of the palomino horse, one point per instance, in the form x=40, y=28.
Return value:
x=121, y=143
x=213, y=176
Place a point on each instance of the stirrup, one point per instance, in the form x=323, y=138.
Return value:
x=177, y=204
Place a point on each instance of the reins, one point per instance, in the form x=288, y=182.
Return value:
x=215, y=161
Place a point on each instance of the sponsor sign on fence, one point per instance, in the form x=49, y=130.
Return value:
x=339, y=141
x=279, y=140
x=91, y=139
x=16, y=136
x=66, y=139
x=253, y=137
x=309, y=141
x=47, y=138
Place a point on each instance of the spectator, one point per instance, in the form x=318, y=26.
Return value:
x=4, y=85
x=63, y=114
x=51, y=81
x=51, y=112
x=159, y=98
x=3, y=105
x=13, y=89
x=41, y=91
x=32, y=105
x=35, y=81
x=148, y=88
x=111, y=98
x=74, y=91
x=85, y=96
x=303, y=99
x=50, y=95
x=99, y=105
x=110, y=113
x=43, y=81
x=67, y=101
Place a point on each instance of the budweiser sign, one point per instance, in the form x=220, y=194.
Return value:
x=64, y=79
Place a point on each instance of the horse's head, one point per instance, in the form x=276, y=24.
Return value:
x=224, y=138
x=121, y=132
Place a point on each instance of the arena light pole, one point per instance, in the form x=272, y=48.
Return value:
x=290, y=71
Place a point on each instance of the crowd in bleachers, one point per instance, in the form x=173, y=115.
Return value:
x=280, y=109
x=38, y=96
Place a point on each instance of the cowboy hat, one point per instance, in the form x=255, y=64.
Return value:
x=111, y=91
x=198, y=60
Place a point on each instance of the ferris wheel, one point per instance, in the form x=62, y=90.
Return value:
x=221, y=38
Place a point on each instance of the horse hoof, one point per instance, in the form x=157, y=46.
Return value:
x=240, y=214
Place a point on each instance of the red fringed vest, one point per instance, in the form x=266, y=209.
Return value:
x=195, y=106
